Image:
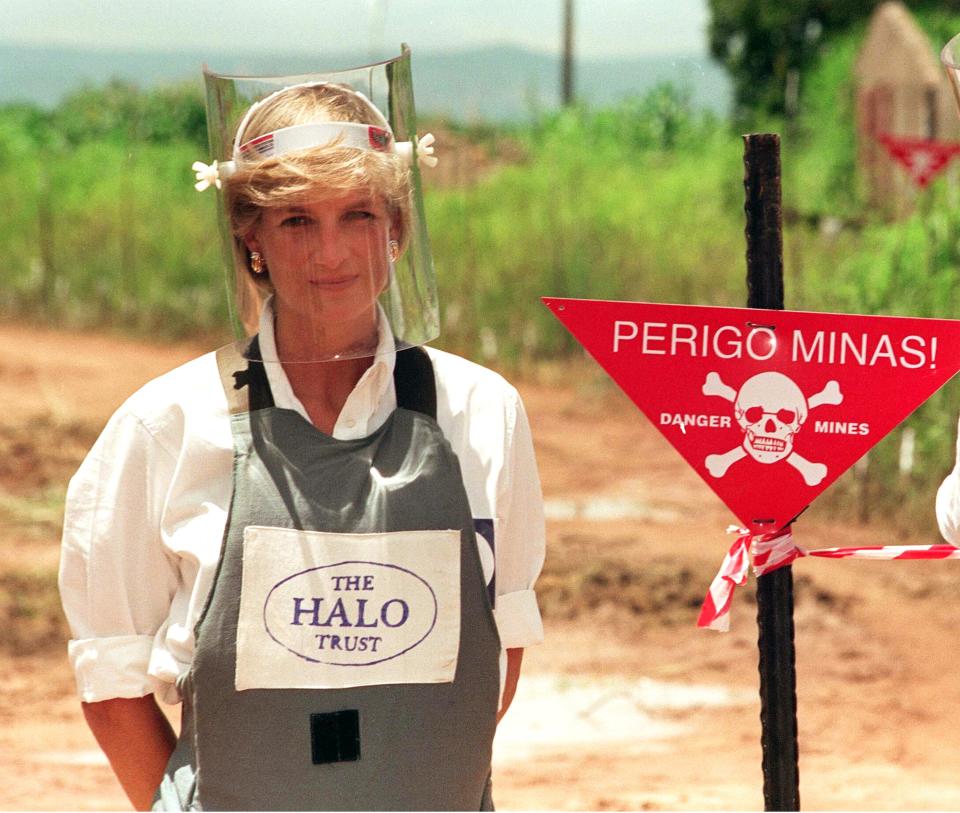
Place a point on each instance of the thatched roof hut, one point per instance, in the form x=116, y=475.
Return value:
x=903, y=91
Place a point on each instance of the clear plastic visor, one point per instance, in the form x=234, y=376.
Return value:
x=326, y=247
x=950, y=57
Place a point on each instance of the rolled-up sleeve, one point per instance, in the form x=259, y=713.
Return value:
x=116, y=578
x=521, y=536
x=111, y=667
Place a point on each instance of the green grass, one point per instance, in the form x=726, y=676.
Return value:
x=587, y=215
x=107, y=233
x=641, y=201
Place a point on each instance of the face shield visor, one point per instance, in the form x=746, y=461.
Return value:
x=321, y=212
x=950, y=57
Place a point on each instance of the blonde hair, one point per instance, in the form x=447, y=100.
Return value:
x=307, y=175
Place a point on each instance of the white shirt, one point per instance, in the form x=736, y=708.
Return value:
x=948, y=503
x=146, y=511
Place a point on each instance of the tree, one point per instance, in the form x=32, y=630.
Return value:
x=121, y=111
x=766, y=45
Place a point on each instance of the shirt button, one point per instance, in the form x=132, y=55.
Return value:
x=351, y=423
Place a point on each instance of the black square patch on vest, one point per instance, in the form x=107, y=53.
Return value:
x=335, y=736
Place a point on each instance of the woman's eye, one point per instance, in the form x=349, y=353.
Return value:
x=295, y=220
x=361, y=214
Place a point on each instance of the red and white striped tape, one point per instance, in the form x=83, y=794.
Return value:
x=776, y=550
x=890, y=552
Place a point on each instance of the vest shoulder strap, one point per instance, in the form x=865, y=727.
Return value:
x=414, y=381
x=243, y=376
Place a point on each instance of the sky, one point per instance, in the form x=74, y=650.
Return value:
x=604, y=28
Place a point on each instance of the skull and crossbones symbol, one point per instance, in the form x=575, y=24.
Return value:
x=770, y=409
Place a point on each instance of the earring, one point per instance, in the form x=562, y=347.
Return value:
x=393, y=250
x=257, y=265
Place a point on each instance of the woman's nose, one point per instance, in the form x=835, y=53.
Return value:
x=330, y=249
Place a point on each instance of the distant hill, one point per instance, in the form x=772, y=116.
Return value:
x=500, y=84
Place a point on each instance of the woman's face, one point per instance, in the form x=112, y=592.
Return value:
x=327, y=259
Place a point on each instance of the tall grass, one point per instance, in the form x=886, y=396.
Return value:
x=110, y=234
x=608, y=205
x=639, y=201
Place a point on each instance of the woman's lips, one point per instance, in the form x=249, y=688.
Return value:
x=333, y=283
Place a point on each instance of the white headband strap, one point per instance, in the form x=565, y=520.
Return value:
x=313, y=134
x=378, y=116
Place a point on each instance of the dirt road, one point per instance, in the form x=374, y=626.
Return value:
x=627, y=705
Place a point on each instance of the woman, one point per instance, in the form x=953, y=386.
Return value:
x=301, y=536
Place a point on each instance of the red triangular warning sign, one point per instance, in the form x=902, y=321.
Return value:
x=922, y=158
x=769, y=407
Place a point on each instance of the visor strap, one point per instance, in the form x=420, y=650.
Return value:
x=316, y=134
x=242, y=128
x=378, y=138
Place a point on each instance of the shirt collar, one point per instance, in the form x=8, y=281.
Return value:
x=370, y=389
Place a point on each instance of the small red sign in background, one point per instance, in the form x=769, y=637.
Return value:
x=922, y=158
x=769, y=407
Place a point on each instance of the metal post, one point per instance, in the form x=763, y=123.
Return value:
x=566, y=68
x=778, y=676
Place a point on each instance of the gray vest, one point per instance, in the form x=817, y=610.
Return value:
x=404, y=746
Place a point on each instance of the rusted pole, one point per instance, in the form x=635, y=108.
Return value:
x=566, y=67
x=778, y=675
